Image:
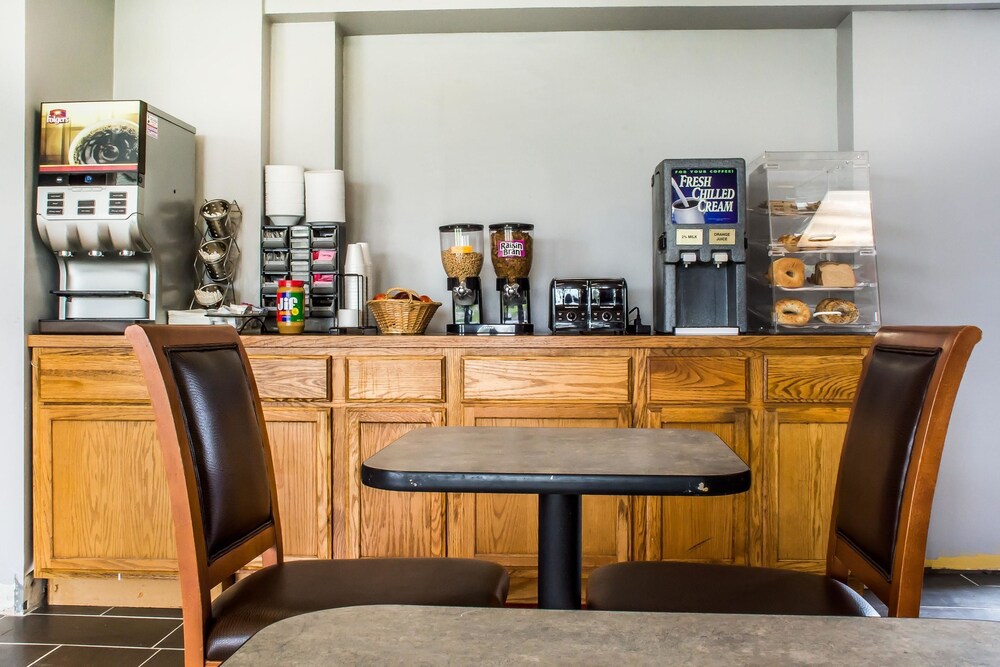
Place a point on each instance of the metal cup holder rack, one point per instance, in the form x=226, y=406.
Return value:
x=218, y=253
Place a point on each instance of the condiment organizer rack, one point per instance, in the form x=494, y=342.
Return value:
x=809, y=213
x=310, y=253
x=218, y=253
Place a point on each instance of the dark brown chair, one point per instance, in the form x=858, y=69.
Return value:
x=222, y=490
x=888, y=470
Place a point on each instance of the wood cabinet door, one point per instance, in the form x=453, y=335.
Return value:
x=301, y=451
x=101, y=503
x=714, y=529
x=379, y=523
x=802, y=449
x=503, y=528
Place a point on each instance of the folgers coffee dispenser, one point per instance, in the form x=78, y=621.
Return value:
x=115, y=203
x=699, y=260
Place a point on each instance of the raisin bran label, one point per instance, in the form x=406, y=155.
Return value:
x=510, y=249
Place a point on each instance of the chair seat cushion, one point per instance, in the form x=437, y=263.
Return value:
x=292, y=588
x=720, y=589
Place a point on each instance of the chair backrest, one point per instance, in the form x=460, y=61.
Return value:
x=892, y=452
x=217, y=458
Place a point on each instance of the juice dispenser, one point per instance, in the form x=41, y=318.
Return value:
x=462, y=257
x=699, y=247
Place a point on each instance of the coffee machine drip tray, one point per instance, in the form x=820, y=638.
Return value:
x=490, y=329
x=86, y=326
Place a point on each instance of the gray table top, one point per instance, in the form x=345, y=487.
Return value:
x=558, y=460
x=396, y=635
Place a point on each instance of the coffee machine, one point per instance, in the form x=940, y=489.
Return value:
x=115, y=203
x=699, y=246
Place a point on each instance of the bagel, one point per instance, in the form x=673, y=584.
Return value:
x=788, y=272
x=847, y=311
x=791, y=312
x=790, y=241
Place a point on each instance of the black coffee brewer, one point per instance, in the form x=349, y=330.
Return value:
x=699, y=241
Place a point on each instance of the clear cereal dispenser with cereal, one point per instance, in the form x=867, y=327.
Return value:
x=462, y=257
x=511, y=252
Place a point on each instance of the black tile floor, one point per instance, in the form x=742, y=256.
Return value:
x=55, y=636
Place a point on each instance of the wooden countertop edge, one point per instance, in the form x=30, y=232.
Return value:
x=442, y=341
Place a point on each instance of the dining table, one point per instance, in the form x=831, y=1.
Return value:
x=559, y=465
x=421, y=635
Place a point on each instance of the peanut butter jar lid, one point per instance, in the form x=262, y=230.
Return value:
x=291, y=283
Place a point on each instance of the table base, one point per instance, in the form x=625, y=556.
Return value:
x=559, y=551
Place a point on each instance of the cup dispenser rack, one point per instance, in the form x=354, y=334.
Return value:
x=218, y=253
x=312, y=254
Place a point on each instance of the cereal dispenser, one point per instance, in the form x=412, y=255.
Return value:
x=510, y=251
x=462, y=257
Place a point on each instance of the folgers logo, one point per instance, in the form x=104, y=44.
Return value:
x=57, y=117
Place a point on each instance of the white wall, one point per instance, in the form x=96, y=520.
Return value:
x=927, y=108
x=562, y=130
x=13, y=154
x=204, y=61
x=303, y=101
x=44, y=59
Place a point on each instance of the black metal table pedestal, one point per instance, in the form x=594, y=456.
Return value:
x=559, y=551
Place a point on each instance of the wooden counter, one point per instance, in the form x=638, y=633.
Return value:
x=781, y=402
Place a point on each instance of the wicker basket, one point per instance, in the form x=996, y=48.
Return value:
x=402, y=316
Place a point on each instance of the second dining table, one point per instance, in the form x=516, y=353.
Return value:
x=559, y=465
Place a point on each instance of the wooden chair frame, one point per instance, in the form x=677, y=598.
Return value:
x=197, y=576
x=901, y=592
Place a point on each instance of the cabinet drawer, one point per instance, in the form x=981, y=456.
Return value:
x=813, y=378
x=683, y=379
x=88, y=376
x=77, y=376
x=395, y=379
x=291, y=378
x=587, y=379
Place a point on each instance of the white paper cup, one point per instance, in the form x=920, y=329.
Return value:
x=353, y=297
x=348, y=317
x=354, y=259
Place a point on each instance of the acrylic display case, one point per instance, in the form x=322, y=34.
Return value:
x=810, y=244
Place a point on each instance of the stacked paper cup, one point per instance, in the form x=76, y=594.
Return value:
x=325, y=196
x=284, y=194
x=355, y=278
